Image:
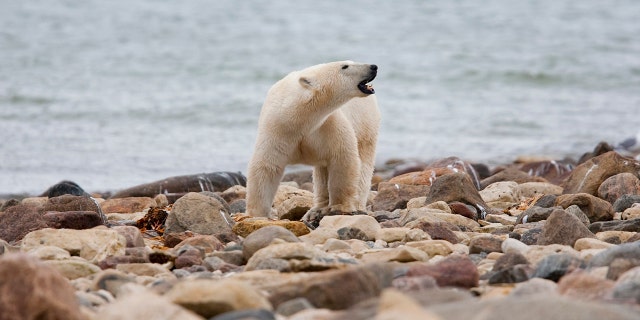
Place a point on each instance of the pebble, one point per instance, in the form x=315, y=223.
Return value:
x=453, y=248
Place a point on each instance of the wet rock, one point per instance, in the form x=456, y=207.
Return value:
x=563, y=228
x=72, y=219
x=632, y=225
x=625, y=202
x=64, y=187
x=595, y=208
x=510, y=174
x=589, y=175
x=262, y=237
x=176, y=187
x=486, y=244
x=93, y=245
x=209, y=298
x=292, y=203
x=457, y=187
x=127, y=205
x=247, y=226
x=393, y=196
x=454, y=270
x=336, y=289
x=198, y=213
x=30, y=289
x=555, y=266
x=17, y=221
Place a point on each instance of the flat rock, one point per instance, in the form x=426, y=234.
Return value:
x=30, y=289
x=73, y=219
x=589, y=175
x=632, y=225
x=294, y=256
x=563, y=228
x=127, y=205
x=454, y=270
x=247, y=226
x=93, y=245
x=502, y=191
x=399, y=254
x=532, y=189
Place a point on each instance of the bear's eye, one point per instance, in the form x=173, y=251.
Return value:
x=345, y=66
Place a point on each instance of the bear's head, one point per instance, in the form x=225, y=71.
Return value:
x=345, y=79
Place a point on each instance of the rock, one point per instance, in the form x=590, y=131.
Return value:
x=336, y=289
x=392, y=234
x=510, y=174
x=486, y=244
x=128, y=307
x=131, y=234
x=438, y=230
x=71, y=203
x=535, y=214
x=395, y=305
x=399, y=254
x=457, y=187
x=509, y=260
x=93, y=245
x=546, y=201
x=205, y=243
x=627, y=288
x=433, y=247
x=531, y=236
x=292, y=203
x=532, y=189
x=625, y=202
x=632, y=225
x=512, y=245
x=64, y=187
x=546, y=307
x=555, y=266
x=72, y=219
x=563, y=228
x=17, y=221
x=631, y=213
x=209, y=298
x=393, y=196
x=263, y=237
x=590, y=243
x=588, y=176
x=176, y=187
x=464, y=210
x=30, y=289
x=188, y=256
x=367, y=224
x=74, y=268
x=127, y=205
x=534, y=286
x=551, y=170
x=621, y=265
x=146, y=269
x=454, y=270
x=623, y=251
x=513, y=274
x=198, y=213
x=424, y=177
x=247, y=226
x=254, y=314
x=595, y=208
x=293, y=306
x=419, y=283
x=111, y=280
x=620, y=184
x=576, y=211
x=583, y=285
x=503, y=191
x=294, y=256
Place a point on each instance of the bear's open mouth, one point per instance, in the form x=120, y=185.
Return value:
x=365, y=86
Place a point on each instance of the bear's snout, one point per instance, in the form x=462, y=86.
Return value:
x=373, y=67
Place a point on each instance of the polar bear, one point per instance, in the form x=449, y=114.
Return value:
x=325, y=116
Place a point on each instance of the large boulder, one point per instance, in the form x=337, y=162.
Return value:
x=198, y=213
x=588, y=176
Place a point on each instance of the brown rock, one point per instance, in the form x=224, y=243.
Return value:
x=458, y=165
x=510, y=174
x=263, y=237
x=551, y=170
x=632, y=225
x=588, y=176
x=234, y=193
x=486, y=244
x=580, y=284
x=393, y=196
x=425, y=177
x=127, y=205
x=620, y=184
x=30, y=289
x=188, y=256
x=457, y=187
x=198, y=213
x=174, y=238
x=73, y=219
x=439, y=230
x=19, y=220
x=71, y=203
x=336, y=289
x=454, y=270
x=595, y=208
x=563, y=228
x=206, y=243
x=247, y=226
x=131, y=234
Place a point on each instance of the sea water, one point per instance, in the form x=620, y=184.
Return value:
x=112, y=94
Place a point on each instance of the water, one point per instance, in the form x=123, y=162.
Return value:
x=116, y=93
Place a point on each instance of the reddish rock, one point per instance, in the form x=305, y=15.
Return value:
x=510, y=174
x=582, y=285
x=174, y=238
x=393, y=196
x=463, y=210
x=553, y=171
x=588, y=176
x=563, y=228
x=595, y=208
x=618, y=185
x=485, y=244
x=439, y=230
x=457, y=187
x=19, y=220
x=70, y=203
x=454, y=271
x=188, y=256
x=72, y=219
x=127, y=205
x=132, y=234
x=424, y=177
x=30, y=289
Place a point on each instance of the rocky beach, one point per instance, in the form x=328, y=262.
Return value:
x=446, y=239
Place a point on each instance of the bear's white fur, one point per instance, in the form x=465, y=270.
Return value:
x=325, y=116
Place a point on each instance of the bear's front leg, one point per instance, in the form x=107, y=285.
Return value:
x=262, y=184
x=320, y=188
x=344, y=175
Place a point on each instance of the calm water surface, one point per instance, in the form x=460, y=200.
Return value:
x=116, y=93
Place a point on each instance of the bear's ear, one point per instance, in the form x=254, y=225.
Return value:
x=306, y=82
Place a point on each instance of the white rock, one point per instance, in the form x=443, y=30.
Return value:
x=93, y=245
x=503, y=191
x=513, y=245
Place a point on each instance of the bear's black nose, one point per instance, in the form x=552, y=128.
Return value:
x=373, y=67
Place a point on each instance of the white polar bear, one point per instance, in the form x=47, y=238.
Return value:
x=325, y=116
